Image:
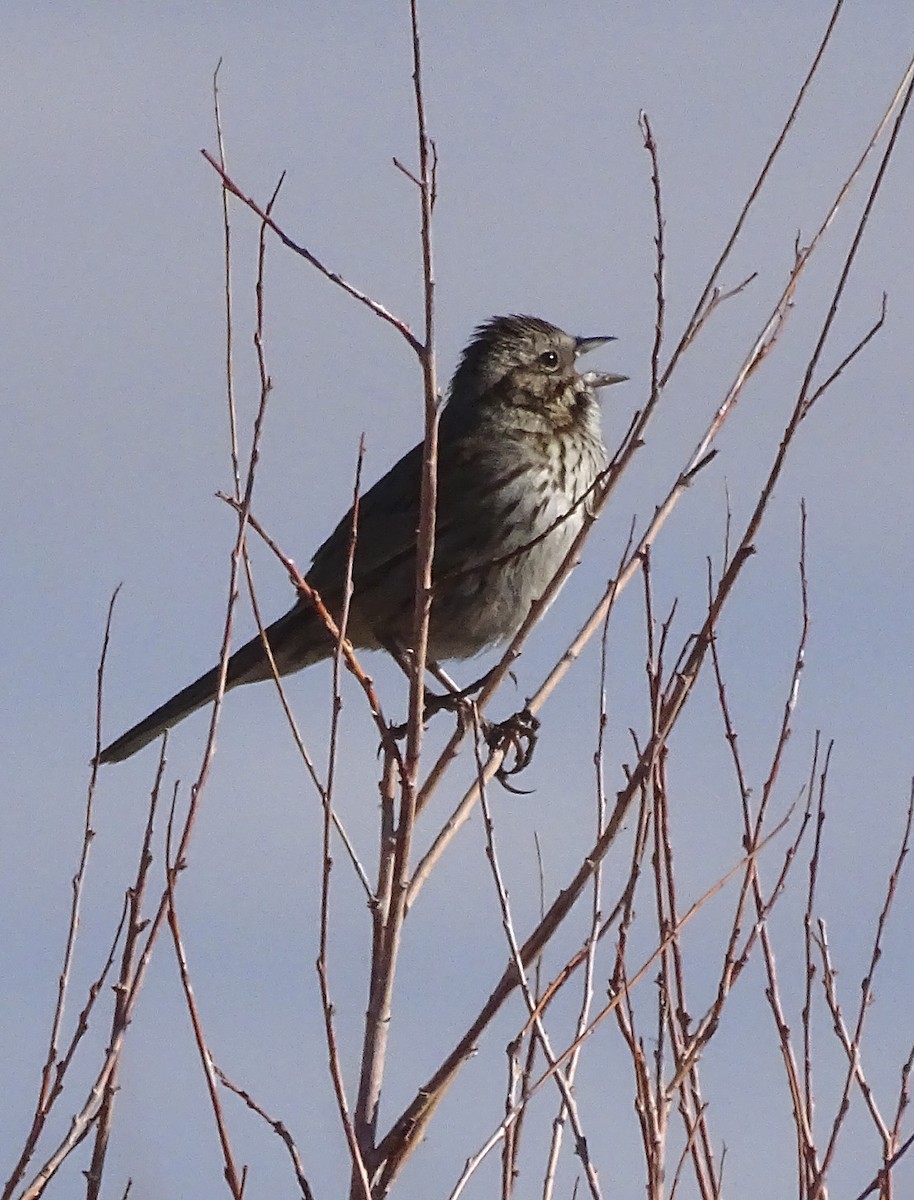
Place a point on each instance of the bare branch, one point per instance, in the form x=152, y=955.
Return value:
x=334, y=277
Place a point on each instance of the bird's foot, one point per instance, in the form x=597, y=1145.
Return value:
x=515, y=738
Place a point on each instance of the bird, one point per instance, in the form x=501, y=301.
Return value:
x=520, y=450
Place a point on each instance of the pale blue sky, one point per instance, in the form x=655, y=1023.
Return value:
x=112, y=379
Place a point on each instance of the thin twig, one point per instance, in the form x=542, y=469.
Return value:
x=278, y=1127
x=133, y=910
x=233, y=1178
x=334, y=277
x=852, y=1041
x=52, y=1073
x=616, y=999
x=701, y=306
x=569, y=1104
x=360, y=1173
x=229, y=322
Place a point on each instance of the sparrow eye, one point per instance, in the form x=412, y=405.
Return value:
x=549, y=359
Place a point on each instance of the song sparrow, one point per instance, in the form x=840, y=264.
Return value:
x=519, y=449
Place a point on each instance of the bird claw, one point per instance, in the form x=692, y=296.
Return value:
x=515, y=736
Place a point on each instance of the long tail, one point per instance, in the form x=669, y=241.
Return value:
x=247, y=665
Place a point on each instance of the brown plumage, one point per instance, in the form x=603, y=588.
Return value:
x=519, y=447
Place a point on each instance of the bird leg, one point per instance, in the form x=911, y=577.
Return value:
x=450, y=701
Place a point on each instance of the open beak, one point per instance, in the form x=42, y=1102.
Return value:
x=596, y=379
x=585, y=345
x=600, y=379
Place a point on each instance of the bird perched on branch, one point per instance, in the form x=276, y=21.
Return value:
x=519, y=452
